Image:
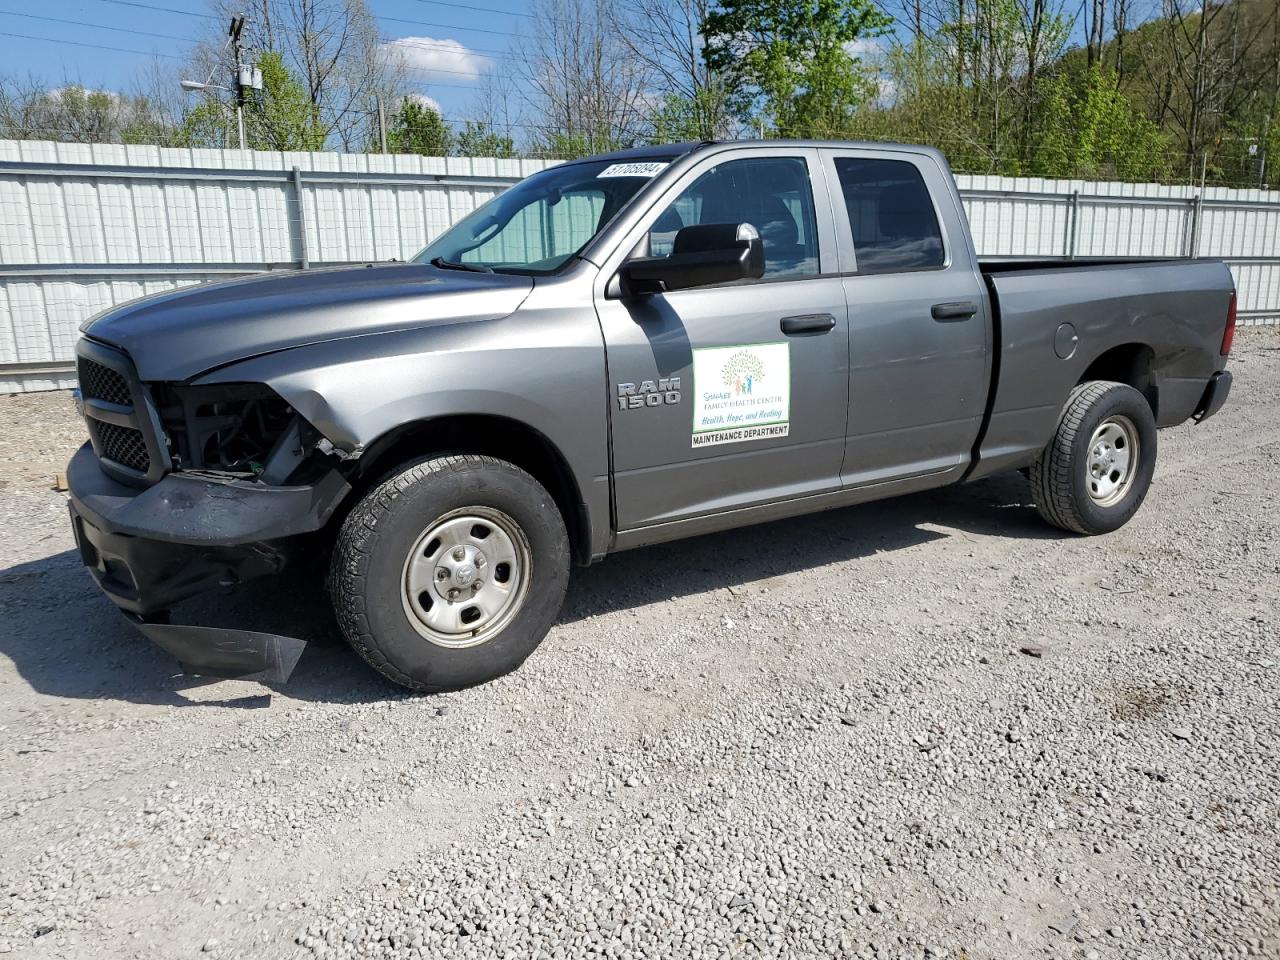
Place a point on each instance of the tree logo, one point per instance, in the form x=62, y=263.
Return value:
x=742, y=371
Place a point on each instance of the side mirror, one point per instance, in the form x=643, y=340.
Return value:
x=700, y=256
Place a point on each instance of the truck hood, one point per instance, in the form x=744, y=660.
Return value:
x=182, y=333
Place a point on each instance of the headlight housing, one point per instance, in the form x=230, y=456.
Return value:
x=243, y=430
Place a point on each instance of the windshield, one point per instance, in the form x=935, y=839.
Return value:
x=541, y=222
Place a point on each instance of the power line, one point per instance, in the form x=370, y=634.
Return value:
x=415, y=23
x=470, y=8
x=446, y=26
x=94, y=46
x=95, y=26
x=150, y=6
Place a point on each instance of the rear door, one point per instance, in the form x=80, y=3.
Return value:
x=918, y=327
x=734, y=395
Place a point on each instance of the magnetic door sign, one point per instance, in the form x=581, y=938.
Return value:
x=741, y=393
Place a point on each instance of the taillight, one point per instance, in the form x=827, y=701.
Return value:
x=1229, y=334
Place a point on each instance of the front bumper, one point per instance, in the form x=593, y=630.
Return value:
x=152, y=548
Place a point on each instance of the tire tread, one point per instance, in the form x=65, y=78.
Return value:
x=1051, y=472
x=351, y=551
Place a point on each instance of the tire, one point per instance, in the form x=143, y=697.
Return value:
x=1074, y=484
x=418, y=538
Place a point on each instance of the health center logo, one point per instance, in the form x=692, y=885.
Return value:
x=743, y=371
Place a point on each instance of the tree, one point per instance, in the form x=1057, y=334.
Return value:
x=478, y=139
x=418, y=128
x=331, y=47
x=1205, y=63
x=281, y=116
x=665, y=35
x=790, y=64
x=1094, y=131
x=76, y=114
x=587, y=93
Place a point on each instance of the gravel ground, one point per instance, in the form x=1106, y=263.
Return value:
x=817, y=738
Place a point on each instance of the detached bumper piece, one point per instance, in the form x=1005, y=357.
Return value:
x=235, y=654
x=1215, y=395
x=149, y=549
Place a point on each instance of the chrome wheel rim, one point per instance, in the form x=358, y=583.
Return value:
x=1113, y=460
x=466, y=577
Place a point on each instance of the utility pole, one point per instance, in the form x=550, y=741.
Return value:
x=382, y=123
x=237, y=24
x=244, y=77
x=1262, y=166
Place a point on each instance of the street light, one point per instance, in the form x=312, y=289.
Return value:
x=195, y=86
x=246, y=77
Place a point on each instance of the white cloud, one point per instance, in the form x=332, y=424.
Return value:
x=423, y=100
x=444, y=61
x=866, y=48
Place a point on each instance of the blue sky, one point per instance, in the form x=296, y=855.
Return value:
x=449, y=42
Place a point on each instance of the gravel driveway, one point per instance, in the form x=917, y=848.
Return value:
x=816, y=738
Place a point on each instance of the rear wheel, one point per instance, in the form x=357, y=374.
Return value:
x=1095, y=472
x=450, y=572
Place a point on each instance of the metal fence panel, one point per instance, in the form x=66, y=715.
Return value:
x=86, y=226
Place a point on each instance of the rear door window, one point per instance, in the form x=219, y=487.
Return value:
x=895, y=228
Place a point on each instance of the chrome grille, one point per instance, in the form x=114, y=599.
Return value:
x=99, y=382
x=124, y=445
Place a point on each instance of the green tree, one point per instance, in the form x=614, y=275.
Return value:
x=281, y=116
x=1092, y=130
x=791, y=63
x=478, y=139
x=681, y=117
x=418, y=128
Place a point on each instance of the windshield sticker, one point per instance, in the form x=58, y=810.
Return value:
x=632, y=170
x=741, y=393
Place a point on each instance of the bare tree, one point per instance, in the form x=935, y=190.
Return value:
x=1199, y=63
x=73, y=113
x=589, y=92
x=665, y=36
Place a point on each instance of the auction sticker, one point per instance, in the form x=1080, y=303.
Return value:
x=632, y=170
x=741, y=393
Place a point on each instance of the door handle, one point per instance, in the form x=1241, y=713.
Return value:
x=808, y=323
x=959, y=310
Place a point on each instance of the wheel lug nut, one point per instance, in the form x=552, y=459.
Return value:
x=459, y=554
x=453, y=594
x=442, y=575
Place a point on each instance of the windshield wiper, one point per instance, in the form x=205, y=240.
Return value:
x=444, y=264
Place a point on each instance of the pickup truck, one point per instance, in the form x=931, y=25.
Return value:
x=617, y=351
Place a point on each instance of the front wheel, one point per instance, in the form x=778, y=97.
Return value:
x=450, y=572
x=1095, y=472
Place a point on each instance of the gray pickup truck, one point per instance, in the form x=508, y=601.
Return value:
x=617, y=351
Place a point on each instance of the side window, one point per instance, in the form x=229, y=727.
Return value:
x=770, y=193
x=894, y=225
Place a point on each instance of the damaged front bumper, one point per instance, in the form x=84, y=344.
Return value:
x=149, y=549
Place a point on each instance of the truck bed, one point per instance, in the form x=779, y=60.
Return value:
x=1102, y=317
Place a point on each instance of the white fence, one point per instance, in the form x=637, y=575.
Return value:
x=83, y=227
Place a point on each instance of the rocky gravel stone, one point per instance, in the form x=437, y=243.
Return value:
x=812, y=739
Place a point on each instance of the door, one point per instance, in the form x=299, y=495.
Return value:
x=919, y=334
x=728, y=396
